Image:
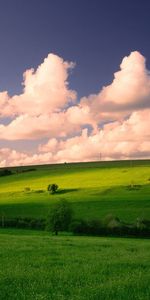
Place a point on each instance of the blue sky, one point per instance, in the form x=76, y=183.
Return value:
x=97, y=36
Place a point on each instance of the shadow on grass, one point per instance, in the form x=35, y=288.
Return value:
x=120, y=190
x=65, y=191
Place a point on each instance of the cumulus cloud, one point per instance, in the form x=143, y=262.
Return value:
x=9, y=157
x=115, y=122
x=45, y=90
x=56, y=124
x=130, y=90
x=118, y=140
x=131, y=84
x=46, y=108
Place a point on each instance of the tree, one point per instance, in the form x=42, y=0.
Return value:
x=60, y=217
x=5, y=172
x=52, y=188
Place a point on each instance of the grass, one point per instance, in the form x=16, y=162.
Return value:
x=94, y=189
x=35, y=266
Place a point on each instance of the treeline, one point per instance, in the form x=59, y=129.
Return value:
x=109, y=226
x=24, y=223
x=8, y=172
x=5, y=172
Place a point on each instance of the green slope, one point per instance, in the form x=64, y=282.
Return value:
x=94, y=189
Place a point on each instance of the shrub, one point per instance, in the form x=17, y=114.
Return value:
x=6, y=172
x=78, y=227
x=27, y=189
x=92, y=227
x=110, y=219
x=60, y=217
x=23, y=223
x=52, y=188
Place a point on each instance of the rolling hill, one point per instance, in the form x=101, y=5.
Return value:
x=94, y=189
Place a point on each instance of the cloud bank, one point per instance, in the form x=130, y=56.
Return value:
x=113, y=124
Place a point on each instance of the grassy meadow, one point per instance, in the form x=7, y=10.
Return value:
x=36, y=265
x=94, y=189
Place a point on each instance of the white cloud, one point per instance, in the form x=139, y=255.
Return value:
x=45, y=90
x=129, y=91
x=76, y=131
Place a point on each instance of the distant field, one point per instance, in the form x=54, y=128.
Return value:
x=37, y=266
x=94, y=189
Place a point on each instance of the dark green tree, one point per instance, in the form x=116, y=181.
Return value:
x=52, y=188
x=60, y=217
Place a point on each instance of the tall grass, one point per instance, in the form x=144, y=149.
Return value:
x=39, y=266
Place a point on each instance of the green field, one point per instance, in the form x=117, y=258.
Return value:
x=94, y=189
x=37, y=266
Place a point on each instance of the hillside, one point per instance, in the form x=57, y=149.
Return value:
x=94, y=189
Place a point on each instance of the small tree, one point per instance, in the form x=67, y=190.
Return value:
x=60, y=217
x=52, y=188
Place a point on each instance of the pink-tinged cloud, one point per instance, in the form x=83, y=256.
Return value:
x=56, y=124
x=118, y=140
x=131, y=84
x=129, y=91
x=9, y=157
x=45, y=90
x=43, y=109
x=115, y=122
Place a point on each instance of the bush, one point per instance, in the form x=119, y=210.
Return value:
x=23, y=223
x=78, y=227
x=27, y=189
x=52, y=188
x=60, y=217
x=6, y=172
x=38, y=224
x=111, y=226
x=92, y=227
x=110, y=221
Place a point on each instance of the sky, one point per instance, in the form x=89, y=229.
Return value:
x=74, y=81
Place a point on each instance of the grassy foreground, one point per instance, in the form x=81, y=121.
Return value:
x=37, y=266
x=94, y=189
